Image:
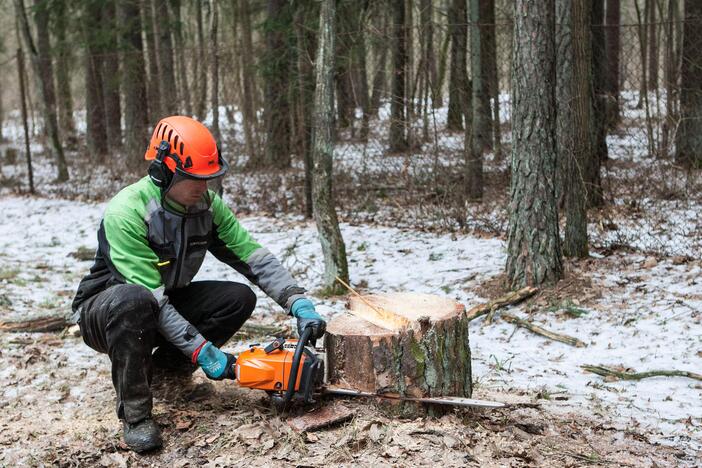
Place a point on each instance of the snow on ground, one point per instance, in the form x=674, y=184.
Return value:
x=640, y=313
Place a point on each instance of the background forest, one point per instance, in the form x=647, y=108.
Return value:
x=472, y=147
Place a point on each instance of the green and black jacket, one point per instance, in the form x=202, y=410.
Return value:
x=147, y=241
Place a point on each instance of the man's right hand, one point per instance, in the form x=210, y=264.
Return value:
x=216, y=364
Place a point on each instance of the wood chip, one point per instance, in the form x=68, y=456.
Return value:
x=321, y=417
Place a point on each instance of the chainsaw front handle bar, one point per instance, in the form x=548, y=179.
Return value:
x=292, y=379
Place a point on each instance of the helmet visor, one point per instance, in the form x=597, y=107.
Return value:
x=191, y=196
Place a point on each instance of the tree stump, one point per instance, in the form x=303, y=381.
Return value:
x=421, y=350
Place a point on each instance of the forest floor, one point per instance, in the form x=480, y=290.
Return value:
x=636, y=302
x=633, y=310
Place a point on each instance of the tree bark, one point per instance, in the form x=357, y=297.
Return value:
x=275, y=73
x=63, y=74
x=380, y=41
x=43, y=73
x=247, y=67
x=688, y=140
x=214, y=70
x=534, y=252
x=397, y=137
x=181, y=64
x=580, y=150
x=429, y=54
x=458, y=80
x=480, y=37
x=593, y=181
x=333, y=248
x=652, y=46
x=344, y=59
x=304, y=25
x=110, y=73
x=200, y=64
x=612, y=38
x=154, y=87
x=134, y=72
x=429, y=358
x=163, y=26
x=94, y=94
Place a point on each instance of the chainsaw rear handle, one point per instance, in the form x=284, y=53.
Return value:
x=292, y=379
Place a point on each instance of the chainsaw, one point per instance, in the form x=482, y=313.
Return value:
x=293, y=371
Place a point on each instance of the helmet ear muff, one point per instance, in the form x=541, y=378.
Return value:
x=159, y=172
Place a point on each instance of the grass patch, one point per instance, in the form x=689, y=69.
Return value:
x=8, y=274
x=569, y=308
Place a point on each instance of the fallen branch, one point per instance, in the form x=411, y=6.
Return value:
x=569, y=340
x=512, y=298
x=41, y=324
x=607, y=371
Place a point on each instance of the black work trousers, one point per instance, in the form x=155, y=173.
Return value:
x=122, y=322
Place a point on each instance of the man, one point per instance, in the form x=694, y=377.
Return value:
x=138, y=295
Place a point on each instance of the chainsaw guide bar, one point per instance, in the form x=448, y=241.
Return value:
x=444, y=400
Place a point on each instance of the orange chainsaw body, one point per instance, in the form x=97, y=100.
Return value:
x=267, y=371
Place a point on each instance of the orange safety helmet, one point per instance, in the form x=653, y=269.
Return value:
x=191, y=152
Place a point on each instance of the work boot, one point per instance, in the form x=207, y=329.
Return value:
x=142, y=436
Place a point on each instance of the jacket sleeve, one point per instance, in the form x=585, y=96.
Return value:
x=233, y=245
x=132, y=261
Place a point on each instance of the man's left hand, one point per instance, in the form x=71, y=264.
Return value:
x=307, y=317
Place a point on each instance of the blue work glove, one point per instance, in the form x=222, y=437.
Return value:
x=216, y=365
x=303, y=310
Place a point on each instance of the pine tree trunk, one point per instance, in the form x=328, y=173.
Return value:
x=361, y=70
x=110, y=73
x=458, y=80
x=333, y=248
x=304, y=21
x=63, y=75
x=381, y=27
x=534, y=253
x=344, y=59
x=688, y=141
x=214, y=71
x=275, y=72
x=492, y=81
x=593, y=181
x=162, y=29
x=134, y=72
x=579, y=150
x=397, y=137
x=250, y=119
x=480, y=52
x=94, y=94
x=670, y=77
x=154, y=87
x=181, y=64
x=200, y=64
x=40, y=56
x=613, y=50
x=652, y=46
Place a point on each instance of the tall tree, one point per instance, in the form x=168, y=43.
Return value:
x=246, y=66
x=534, y=253
x=94, y=86
x=458, y=80
x=613, y=42
x=652, y=45
x=480, y=50
x=134, y=73
x=593, y=180
x=154, y=84
x=333, y=247
x=397, y=137
x=200, y=64
x=379, y=40
x=345, y=10
x=428, y=52
x=40, y=57
x=214, y=51
x=110, y=73
x=574, y=101
x=688, y=141
x=181, y=74
x=63, y=74
x=275, y=70
x=166, y=70
x=488, y=31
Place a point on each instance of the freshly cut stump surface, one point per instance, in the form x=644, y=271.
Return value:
x=423, y=351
